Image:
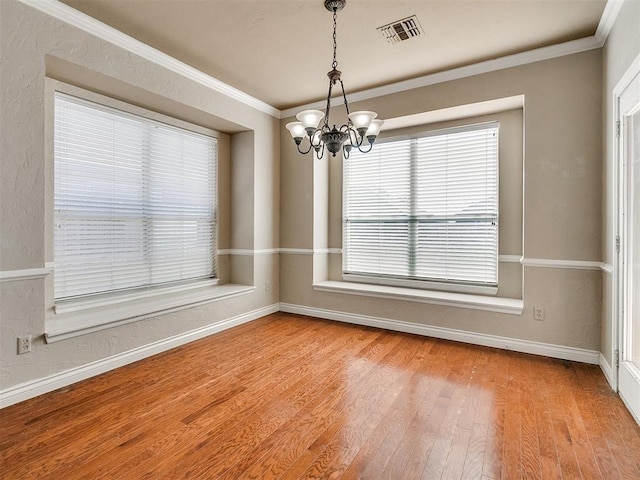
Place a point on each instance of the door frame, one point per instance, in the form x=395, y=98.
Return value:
x=620, y=196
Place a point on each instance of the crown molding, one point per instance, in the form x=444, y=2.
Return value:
x=94, y=27
x=73, y=17
x=608, y=19
x=509, y=61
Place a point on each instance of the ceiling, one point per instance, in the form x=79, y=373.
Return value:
x=280, y=50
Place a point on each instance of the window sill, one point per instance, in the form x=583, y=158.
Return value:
x=107, y=300
x=421, y=285
x=72, y=319
x=512, y=306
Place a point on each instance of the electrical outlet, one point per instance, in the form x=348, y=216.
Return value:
x=267, y=286
x=538, y=313
x=24, y=344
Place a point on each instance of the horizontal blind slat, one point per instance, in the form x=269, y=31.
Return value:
x=424, y=208
x=134, y=201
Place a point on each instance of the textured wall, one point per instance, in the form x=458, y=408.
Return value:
x=562, y=195
x=33, y=42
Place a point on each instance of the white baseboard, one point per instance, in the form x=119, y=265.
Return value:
x=506, y=343
x=34, y=388
x=607, y=372
x=629, y=409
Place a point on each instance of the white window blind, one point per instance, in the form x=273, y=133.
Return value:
x=425, y=208
x=134, y=201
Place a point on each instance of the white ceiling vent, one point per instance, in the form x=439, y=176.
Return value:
x=402, y=30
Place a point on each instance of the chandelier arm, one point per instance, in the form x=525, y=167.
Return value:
x=328, y=108
x=308, y=149
x=351, y=131
x=344, y=96
x=365, y=151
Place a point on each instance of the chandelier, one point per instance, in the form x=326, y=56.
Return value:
x=359, y=125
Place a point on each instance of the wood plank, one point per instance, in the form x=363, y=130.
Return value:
x=482, y=398
x=144, y=403
x=448, y=452
x=603, y=412
x=530, y=449
x=344, y=447
x=272, y=461
x=492, y=464
x=420, y=395
x=396, y=441
x=289, y=397
x=547, y=451
x=241, y=422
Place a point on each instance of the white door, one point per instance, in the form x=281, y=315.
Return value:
x=629, y=369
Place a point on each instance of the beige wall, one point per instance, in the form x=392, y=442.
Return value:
x=561, y=209
x=35, y=45
x=620, y=50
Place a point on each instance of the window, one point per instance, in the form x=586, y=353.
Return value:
x=134, y=201
x=423, y=211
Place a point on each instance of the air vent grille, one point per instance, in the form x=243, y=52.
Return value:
x=402, y=30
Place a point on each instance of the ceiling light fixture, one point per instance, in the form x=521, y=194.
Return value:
x=352, y=133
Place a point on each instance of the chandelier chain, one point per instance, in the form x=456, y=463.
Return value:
x=335, y=44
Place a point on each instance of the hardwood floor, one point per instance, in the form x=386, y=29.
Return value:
x=292, y=397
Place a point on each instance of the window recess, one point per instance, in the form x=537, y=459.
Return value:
x=422, y=211
x=134, y=202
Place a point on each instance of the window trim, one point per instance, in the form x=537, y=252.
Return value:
x=506, y=305
x=146, y=238
x=421, y=284
x=431, y=284
x=66, y=318
x=95, y=318
x=76, y=304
